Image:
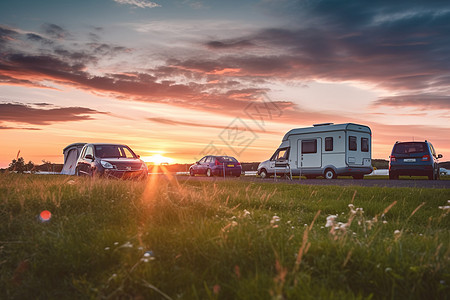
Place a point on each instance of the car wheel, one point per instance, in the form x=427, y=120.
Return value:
x=191, y=172
x=263, y=174
x=358, y=176
x=329, y=174
x=77, y=172
x=393, y=176
x=432, y=176
x=208, y=173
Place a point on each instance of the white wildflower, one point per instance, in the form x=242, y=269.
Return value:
x=246, y=213
x=397, y=232
x=331, y=220
x=234, y=223
x=107, y=248
x=275, y=219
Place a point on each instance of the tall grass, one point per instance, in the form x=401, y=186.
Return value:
x=164, y=239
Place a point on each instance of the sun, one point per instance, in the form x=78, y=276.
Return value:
x=157, y=159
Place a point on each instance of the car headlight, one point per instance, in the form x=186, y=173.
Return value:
x=143, y=166
x=106, y=164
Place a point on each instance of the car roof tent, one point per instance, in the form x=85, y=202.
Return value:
x=71, y=154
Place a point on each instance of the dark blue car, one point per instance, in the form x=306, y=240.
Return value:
x=110, y=161
x=211, y=165
x=414, y=159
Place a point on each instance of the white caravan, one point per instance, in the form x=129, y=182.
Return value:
x=327, y=150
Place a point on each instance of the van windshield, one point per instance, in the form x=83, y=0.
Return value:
x=411, y=147
x=281, y=154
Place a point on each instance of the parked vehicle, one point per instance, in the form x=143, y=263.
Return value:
x=110, y=160
x=326, y=150
x=211, y=165
x=414, y=159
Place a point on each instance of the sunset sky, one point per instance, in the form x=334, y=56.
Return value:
x=181, y=79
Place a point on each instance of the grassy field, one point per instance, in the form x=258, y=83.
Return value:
x=168, y=239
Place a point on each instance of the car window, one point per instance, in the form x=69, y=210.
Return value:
x=83, y=151
x=406, y=148
x=203, y=159
x=433, y=152
x=89, y=150
x=126, y=152
x=226, y=159
x=113, y=151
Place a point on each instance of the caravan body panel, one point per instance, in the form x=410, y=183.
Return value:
x=343, y=148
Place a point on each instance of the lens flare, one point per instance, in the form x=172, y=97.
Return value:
x=45, y=216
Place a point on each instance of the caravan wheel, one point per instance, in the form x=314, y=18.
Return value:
x=329, y=174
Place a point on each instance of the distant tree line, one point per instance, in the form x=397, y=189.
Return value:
x=19, y=166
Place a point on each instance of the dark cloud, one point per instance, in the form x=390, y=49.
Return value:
x=106, y=49
x=21, y=113
x=421, y=101
x=7, y=34
x=37, y=38
x=230, y=44
x=55, y=31
x=17, y=128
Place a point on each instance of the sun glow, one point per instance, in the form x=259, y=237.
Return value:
x=157, y=159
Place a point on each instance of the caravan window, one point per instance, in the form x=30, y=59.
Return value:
x=364, y=144
x=329, y=144
x=309, y=146
x=352, y=144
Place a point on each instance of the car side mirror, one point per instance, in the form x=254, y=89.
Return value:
x=197, y=162
x=89, y=156
x=440, y=155
x=138, y=156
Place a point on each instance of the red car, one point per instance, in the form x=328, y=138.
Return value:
x=211, y=165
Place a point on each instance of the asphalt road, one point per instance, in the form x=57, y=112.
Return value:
x=411, y=183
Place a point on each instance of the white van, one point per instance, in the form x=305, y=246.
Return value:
x=327, y=150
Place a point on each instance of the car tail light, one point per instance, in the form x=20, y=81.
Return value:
x=426, y=158
x=393, y=158
x=238, y=164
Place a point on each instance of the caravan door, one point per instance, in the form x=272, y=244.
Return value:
x=358, y=148
x=309, y=153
